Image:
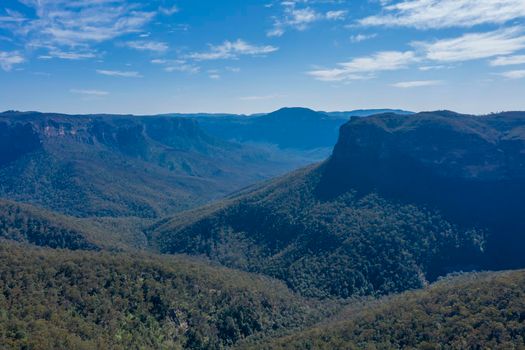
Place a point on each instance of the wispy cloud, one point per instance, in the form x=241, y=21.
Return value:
x=473, y=46
x=416, y=83
x=9, y=59
x=365, y=67
x=147, y=45
x=514, y=74
x=362, y=37
x=168, y=11
x=300, y=18
x=118, y=73
x=67, y=24
x=508, y=60
x=98, y=93
x=424, y=14
x=232, y=49
x=68, y=55
x=336, y=15
x=177, y=65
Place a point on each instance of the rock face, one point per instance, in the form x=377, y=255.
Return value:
x=470, y=168
x=104, y=165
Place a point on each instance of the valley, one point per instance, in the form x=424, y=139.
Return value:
x=157, y=232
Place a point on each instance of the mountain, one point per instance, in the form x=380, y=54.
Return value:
x=470, y=168
x=474, y=311
x=103, y=165
x=402, y=200
x=287, y=128
x=60, y=299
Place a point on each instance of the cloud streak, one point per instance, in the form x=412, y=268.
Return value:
x=474, y=46
x=232, y=50
x=426, y=14
x=364, y=67
x=416, y=83
x=118, y=73
x=10, y=59
x=147, y=45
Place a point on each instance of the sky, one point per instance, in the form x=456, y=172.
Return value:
x=253, y=56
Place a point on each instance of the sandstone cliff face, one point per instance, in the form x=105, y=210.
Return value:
x=471, y=168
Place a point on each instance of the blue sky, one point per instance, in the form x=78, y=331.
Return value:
x=249, y=56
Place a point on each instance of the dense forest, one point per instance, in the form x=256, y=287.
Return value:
x=59, y=299
x=474, y=311
x=344, y=247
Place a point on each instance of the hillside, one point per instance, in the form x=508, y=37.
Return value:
x=475, y=311
x=25, y=223
x=100, y=165
x=343, y=247
x=58, y=299
x=471, y=169
x=402, y=200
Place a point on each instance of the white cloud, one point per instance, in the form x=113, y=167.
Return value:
x=473, y=46
x=9, y=59
x=177, y=65
x=416, y=83
x=214, y=76
x=514, y=74
x=118, y=73
x=98, y=93
x=300, y=18
x=78, y=23
x=168, y=11
x=336, y=15
x=426, y=14
x=146, y=45
x=508, y=60
x=435, y=67
x=68, y=55
x=361, y=37
x=364, y=67
x=232, y=49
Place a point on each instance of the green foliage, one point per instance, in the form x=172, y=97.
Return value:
x=122, y=166
x=475, y=311
x=59, y=299
x=25, y=223
x=350, y=245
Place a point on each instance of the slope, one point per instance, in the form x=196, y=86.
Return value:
x=98, y=165
x=474, y=311
x=59, y=299
x=401, y=201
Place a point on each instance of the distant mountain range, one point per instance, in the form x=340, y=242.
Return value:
x=287, y=128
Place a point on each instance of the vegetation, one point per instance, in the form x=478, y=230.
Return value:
x=25, y=223
x=351, y=245
x=122, y=166
x=474, y=311
x=58, y=299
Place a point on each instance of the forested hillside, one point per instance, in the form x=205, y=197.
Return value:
x=58, y=299
x=96, y=165
x=24, y=223
x=351, y=245
x=475, y=311
x=402, y=200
